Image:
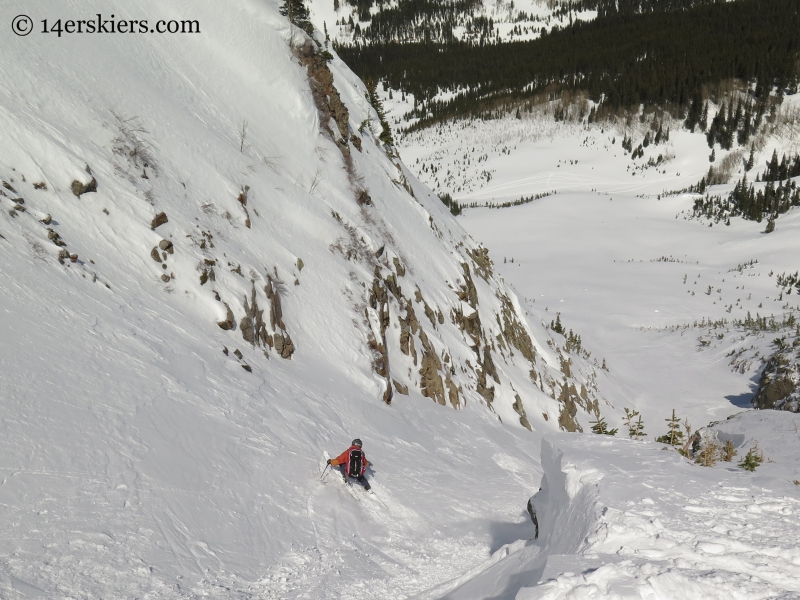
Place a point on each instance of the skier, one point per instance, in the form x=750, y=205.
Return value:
x=353, y=463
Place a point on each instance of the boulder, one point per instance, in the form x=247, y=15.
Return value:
x=79, y=188
x=159, y=220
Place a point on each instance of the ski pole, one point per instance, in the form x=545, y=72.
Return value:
x=325, y=472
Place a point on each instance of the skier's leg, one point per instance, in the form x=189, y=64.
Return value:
x=343, y=471
x=363, y=481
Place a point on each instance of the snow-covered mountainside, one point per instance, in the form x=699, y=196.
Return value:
x=212, y=271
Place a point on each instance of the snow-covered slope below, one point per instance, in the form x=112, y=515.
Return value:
x=168, y=383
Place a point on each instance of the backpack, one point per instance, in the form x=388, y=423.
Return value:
x=354, y=463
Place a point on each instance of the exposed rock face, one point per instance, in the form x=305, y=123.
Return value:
x=431, y=381
x=281, y=340
x=283, y=345
x=569, y=408
x=155, y=255
x=55, y=238
x=779, y=387
x=483, y=264
x=254, y=330
x=379, y=302
x=400, y=388
x=514, y=333
x=325, y=94
x=520, y=410
x=79, y=188
x=452, y=393
x=409, y=327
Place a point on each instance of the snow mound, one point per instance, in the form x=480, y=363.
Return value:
x=663, y=527
x=621, y=519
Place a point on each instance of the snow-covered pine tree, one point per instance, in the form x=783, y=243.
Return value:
x=555, y=325
x=639, y=431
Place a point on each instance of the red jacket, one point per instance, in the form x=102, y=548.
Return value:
x=344, y=459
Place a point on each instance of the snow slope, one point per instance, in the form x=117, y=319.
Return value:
x=147, y=452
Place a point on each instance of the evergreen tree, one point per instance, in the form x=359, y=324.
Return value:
x=750, y=160
x=556, y=325
x=385, y=135
x=297, y=13
x=639, y=432
x=630, y=415
x=752, y=459
x=601, y=427
x=704, y=118
x=674, y=435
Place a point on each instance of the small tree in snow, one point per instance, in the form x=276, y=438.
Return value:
x=728, y=451
x=635, y=428
x=674, y=435
x=601, y=427
x=709, y=453
x=640, y=429
x=752, y=459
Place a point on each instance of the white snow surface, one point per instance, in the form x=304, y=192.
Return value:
x=137, y=460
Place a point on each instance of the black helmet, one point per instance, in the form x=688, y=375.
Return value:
x=356, y=442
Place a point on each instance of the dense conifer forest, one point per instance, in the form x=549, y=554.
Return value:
x=776, y=198
x=639, y=52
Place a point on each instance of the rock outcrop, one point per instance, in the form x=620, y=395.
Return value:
x=779, y=386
